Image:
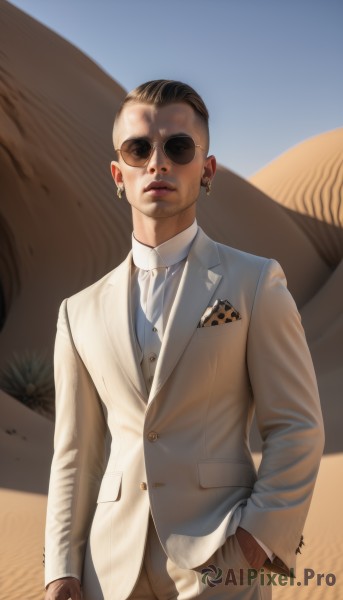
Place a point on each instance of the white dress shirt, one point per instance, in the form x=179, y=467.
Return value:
x=155, y=279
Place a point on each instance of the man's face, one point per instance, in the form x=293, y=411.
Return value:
x=182, y=182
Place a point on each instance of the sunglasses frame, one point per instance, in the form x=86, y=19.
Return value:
x=154, y=145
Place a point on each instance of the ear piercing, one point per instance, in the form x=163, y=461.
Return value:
x=207, y=183
x=120, y=191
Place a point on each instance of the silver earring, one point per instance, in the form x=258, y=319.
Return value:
x=120, y=191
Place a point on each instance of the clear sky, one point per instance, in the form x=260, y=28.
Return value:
x=270, y=71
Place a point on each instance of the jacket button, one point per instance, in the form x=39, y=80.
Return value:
x=152, y=436
x=143, y=485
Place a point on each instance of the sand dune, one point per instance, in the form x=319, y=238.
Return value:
x=323, y=550
x=22, y=513
x=26, y=443
x=307, y=180
x=25, y=456
x=242, y=216
x=62, y=227
x=58, y=200
x=307, y=183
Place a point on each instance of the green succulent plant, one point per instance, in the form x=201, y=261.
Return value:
x=29, y=378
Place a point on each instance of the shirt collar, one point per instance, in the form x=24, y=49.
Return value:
x=167, y=254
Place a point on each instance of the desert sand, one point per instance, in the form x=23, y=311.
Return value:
x=62, y=227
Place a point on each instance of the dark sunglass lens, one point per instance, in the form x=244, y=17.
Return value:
x=136, y=152
x=180, y=149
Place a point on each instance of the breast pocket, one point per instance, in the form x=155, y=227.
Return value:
x=110, y=487
x=223, y=331
x=224, y=343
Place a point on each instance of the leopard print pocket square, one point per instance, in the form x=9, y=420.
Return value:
x=220, y=313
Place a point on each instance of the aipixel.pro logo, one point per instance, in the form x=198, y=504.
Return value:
x=211, y=575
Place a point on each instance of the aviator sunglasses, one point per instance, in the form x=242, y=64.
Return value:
x=180, y=149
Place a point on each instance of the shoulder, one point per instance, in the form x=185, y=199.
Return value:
x=241, y=257
x=240, y=267
x=259, y=276
x=92, y=293
x=241, y=262
x=261, y=266
x=225, y=252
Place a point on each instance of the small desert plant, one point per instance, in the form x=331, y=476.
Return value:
x=30, y=379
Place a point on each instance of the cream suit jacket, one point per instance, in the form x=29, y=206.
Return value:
x=183, y=453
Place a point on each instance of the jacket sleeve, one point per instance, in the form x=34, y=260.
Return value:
x=289, y=419
x=78, y=461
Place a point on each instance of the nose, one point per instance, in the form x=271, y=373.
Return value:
x=158, y=161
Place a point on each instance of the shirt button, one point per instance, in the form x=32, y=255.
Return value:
x=152, y=357
x=154, y=329
x=143, y=485
x=152, y=436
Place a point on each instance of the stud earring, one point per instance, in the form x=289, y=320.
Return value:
x=120, y=191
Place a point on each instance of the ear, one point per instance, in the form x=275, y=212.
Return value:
x=116, y=173
x=209, y=168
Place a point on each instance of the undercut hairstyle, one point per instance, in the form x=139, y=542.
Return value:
x=161, y=92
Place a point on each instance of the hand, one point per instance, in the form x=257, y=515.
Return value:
x=252, y=551
x=63, y=589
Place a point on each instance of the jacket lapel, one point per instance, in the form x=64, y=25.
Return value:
x=199, y=281
x=119, y=324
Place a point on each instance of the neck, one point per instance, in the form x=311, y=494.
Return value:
x=154, y=232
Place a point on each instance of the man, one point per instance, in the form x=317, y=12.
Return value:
x=159, y=366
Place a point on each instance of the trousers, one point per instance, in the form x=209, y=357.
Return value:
x=226, y=575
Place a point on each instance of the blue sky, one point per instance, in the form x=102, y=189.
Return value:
x=270, y=71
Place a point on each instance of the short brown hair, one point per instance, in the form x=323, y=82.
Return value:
x=161, y=92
